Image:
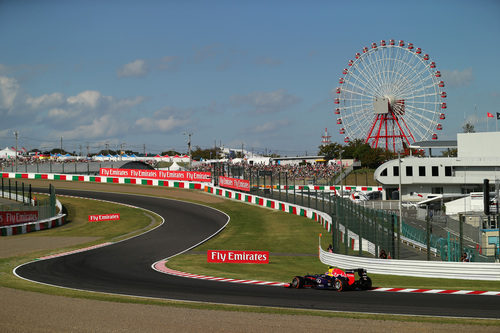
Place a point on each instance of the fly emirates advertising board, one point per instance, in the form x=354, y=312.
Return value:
x=190, y=176
x=238, y=257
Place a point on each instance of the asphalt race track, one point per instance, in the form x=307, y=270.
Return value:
x=125, y=268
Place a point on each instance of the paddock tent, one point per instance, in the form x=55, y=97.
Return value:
x=8, y=153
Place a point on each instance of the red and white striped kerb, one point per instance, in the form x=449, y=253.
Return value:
x=439, y=291
x=160, y=267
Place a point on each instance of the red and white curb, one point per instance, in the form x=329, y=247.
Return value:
x=439, y=291
x=161, y=267
x=74, y=251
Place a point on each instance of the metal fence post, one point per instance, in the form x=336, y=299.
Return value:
x=316, y=198
x=346, y=228
x=279, y=186
x=361, y=223
x=394, y=221
x=271, y=189
x=461, y=244
x=286, y=185
x=294, y=197
x=428, y=232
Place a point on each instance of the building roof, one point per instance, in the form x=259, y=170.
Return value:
x=434, y=144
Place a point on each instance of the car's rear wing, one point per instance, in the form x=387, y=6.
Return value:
x=360, y=271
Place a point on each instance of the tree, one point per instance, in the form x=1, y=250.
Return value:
x=330, y=151
x=107, y=151
x=206, y=154
x=450, y=152
x=359, y=150
x=468, y=128
x=170, y=153
x=58, y=151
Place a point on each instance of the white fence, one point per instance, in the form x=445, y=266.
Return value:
x=429, y=269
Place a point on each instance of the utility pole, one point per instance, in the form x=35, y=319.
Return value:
x=80, y=150
x=16, y=134
x=88, y=149
x=144, y=149
x=61, y=146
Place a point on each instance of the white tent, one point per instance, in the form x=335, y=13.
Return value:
x=8, y=153
x=175, y=167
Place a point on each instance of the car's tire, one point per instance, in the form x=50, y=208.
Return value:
x=339, y=285
x=297, y=282
x=366, y=284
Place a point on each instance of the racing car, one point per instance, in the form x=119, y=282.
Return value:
x=335, y=279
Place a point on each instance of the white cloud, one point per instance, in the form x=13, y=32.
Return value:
x=58, y=113
x=169, y=63
x=134, y=69
x=45, y=100
x=88, y=98
x=271, y=126
x=456, y=78
x=9, y=89
x=163, y=124
x=266, y=102
x=105, y=126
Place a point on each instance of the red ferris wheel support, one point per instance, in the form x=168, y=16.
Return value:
x=389, y=127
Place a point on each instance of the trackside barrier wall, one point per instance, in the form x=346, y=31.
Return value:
x=429, y=269
x=471, y=270
x=49, y=223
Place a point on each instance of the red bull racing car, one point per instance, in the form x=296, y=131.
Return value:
x=335, y=279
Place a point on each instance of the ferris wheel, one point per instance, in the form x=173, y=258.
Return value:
x=390, y=95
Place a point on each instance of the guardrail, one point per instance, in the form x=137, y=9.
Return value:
x=416, y=268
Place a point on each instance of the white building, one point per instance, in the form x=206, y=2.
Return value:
x=478, y=158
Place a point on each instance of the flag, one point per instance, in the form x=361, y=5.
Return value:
x=498, y=115
x=489, y=115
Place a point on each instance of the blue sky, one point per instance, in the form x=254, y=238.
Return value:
x=257, y=73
